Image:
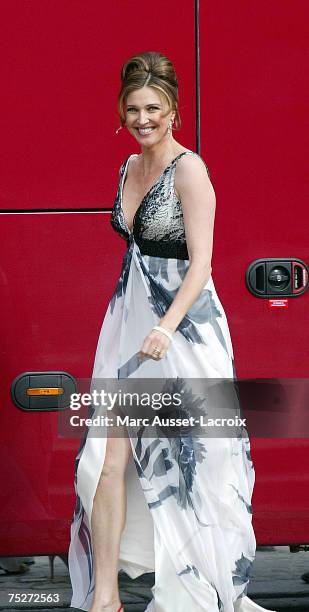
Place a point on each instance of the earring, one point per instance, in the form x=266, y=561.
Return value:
x=120, y=128
x=170, y=126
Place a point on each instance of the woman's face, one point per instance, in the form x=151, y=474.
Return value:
x=144, y=110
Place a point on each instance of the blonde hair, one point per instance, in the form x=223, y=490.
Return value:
x=154, y=70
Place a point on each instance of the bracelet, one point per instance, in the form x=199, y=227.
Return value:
x=163, y=331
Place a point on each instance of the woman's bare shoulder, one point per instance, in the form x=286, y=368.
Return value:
x=191, y=164
x=192, y=179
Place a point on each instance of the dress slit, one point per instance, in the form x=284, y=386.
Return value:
x=189, y=513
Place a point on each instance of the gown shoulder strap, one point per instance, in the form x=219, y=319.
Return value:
x=126, y=162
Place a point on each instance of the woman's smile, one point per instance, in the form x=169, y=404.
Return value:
x=145, y=131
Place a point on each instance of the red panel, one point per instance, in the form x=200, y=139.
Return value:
x=281, y=494
x=59, y=87
x=253, y=108
x=59, y=271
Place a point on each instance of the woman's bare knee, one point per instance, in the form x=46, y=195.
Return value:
x=116, y=457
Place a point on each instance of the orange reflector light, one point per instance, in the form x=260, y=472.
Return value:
x=45, y=391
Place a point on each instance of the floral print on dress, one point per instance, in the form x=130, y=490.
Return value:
x=189, y=512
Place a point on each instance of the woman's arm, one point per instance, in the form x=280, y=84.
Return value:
x=198, y=204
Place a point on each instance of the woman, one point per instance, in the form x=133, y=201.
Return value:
x=177, y=505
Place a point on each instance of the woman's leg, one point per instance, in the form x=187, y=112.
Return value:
x=107, y=523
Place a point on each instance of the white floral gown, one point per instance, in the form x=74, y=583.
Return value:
x=189, y=514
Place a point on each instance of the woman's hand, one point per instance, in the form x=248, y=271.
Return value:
x=154, y=346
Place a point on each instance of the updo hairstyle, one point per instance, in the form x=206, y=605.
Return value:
x=154, y=70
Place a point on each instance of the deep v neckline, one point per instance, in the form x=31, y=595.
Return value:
x=147, y=192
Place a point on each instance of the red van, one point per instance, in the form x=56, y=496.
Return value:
x=242, y=74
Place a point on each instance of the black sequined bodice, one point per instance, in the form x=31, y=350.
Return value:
x=158, y=226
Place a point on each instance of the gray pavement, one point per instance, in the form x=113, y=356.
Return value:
x=275, y=584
